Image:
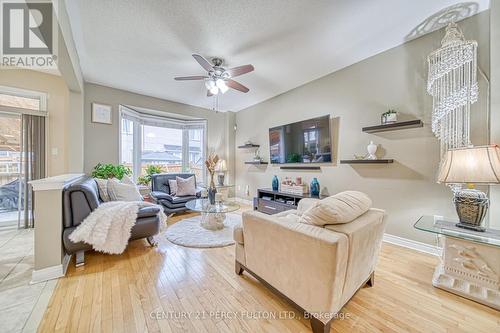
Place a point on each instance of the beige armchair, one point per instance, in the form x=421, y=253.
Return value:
x=316, y=268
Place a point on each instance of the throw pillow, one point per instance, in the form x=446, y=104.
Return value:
x=127, y=180
x=102, y=185
x=186, y=186
x=305, y=204
x=123, y=192
x=340, y=208
x=172, y=184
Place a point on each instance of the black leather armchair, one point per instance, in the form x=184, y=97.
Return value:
x=161, y=192
x=80, y=199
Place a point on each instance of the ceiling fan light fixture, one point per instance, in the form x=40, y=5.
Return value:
x=221, y=84
x=214, y=90
x=209, y=84
x=218, y=79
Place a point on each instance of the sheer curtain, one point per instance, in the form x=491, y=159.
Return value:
x=33, y=163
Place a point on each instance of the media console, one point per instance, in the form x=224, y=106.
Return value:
x=273, y=202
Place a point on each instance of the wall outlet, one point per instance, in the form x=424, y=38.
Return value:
x=54, y=151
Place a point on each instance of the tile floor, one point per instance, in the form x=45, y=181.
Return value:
x=21, y=304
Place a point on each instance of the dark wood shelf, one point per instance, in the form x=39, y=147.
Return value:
x=256, y=163
x=305, y=167
x=394, y=126
x=249, y=146
x=382, y=161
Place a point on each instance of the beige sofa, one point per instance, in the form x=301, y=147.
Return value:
x=317, y=268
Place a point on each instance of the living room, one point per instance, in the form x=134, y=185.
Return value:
x=325, y=170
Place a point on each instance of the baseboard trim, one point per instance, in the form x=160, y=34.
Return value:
x=411, y=244
x=46, y=274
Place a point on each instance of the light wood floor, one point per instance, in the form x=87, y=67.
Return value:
x=196, y=290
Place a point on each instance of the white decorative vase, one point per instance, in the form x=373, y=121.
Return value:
x=372, y=149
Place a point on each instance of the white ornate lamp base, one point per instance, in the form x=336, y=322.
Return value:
x=470, y=270
x=213, y=221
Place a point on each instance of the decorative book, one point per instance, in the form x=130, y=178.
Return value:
x=295, y=189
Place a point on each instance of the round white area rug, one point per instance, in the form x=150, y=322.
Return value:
x=190, y=233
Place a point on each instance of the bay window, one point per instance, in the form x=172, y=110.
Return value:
x=174, y=144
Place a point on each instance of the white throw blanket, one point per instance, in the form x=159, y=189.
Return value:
x=108, y=227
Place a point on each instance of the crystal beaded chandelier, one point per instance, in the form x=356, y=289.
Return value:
x=452, y=82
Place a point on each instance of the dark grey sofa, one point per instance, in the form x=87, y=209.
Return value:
x=80, y=199
x=161, y=192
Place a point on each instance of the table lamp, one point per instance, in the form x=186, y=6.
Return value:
x=221, y=168
x=471, y=165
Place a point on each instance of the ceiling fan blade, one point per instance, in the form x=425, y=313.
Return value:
x=194, y=77
x=240, y=70
x=236, y=85
x=203, y=62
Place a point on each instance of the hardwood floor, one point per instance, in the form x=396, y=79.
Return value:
x=176, y=289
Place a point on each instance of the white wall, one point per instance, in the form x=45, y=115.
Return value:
x=356, y=97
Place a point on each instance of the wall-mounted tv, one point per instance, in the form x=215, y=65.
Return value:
x=307, y=141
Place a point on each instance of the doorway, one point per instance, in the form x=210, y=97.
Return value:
x=11, y=196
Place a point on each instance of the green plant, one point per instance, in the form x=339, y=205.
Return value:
x=143, y=180
x=150, y=170
x=105, y=171
x=294, y=158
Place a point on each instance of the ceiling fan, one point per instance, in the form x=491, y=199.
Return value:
x=218, y=78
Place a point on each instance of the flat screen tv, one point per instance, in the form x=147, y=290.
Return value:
x=307, y=141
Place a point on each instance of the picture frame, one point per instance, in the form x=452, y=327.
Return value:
x=101, y=113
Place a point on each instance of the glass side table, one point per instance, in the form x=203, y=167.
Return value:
x=470, y=261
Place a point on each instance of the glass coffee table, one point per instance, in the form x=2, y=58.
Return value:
x=212, y=216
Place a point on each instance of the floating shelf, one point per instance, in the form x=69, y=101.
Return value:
x=249, y=146
x=394, y=126
x=289, y=167
x=256, y=163
x=384, y=161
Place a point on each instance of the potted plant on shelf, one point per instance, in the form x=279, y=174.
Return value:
x=388, y=117
x=211, y=164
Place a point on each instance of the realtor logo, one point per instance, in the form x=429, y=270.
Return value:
x=28, y=34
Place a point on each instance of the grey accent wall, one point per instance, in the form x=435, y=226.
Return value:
x=355, y=97
x=76, y=133
x=101, y=141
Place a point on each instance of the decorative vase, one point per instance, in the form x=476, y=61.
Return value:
x=212, y=190
x=276, y=183
x=220, y=178
x=372, y=149
x=315, y=187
